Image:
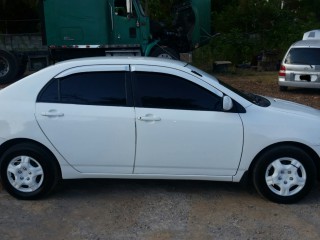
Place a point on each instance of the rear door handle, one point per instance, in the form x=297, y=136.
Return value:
x=52, y=113
x=149, y=118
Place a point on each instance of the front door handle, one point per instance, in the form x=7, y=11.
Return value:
x=149, y=118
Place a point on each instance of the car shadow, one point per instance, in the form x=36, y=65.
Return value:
x=92, y=188
x=306, y=91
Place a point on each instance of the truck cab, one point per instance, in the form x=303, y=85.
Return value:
x=87, y=28
x=129, y=23
x=120, y=27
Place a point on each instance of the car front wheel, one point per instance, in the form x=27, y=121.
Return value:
x=284, y=174
x=28, y=171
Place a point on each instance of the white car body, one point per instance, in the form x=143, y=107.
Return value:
x=115, y=142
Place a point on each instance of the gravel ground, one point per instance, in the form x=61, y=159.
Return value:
x=128, y=209
x=265, y=83
x=136, y=209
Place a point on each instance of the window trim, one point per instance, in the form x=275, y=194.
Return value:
x=128, y=89
x=138, y=103
x=176, y=72
x=93, y=68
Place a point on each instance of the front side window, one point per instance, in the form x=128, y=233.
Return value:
x=156, y=90
x=92, y=88
x=120, y=8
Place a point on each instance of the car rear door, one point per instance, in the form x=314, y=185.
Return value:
x=87, y=114
x=181, y=127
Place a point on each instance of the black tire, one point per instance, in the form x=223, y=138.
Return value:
x=283, y=88
x=8, y=67
x=165, y=52
x=23, y=62
x=28, y=171
x=290, y=172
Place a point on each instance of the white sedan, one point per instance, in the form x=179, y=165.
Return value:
x=152, y=119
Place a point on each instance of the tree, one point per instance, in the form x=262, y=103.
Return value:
x=160, y=9
x=250, y=26
x=17, y=16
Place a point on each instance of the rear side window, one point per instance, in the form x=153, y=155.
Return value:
x=93, y=88
x=303, y=56
x=157, y=90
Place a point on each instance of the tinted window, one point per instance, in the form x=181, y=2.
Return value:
x=156, y=90
x=50, y=92
x=94, y=88
x=305, y=56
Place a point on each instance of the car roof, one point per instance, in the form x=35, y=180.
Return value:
x=312, y=35
x=307, y=43
x=125, y=60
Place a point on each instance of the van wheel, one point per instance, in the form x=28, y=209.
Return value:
x=8, y=67
x=283, y=88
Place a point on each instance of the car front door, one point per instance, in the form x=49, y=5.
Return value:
x=181, y=126
x=87, y=114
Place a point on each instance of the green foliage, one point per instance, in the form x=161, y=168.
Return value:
x=18, y=16
x=160, y=10
x=248, y=27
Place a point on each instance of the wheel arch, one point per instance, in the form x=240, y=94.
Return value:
x=10, y=143
x=307, y=149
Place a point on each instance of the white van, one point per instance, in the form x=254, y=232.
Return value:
x=301, y=64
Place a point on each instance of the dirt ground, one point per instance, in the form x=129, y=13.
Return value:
x=156, y=210
x=265, y=83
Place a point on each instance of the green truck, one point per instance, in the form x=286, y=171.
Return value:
x=86, y=28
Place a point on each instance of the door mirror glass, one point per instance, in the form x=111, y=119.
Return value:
x=227, y=103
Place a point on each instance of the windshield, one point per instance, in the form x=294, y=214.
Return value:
x=140, y=8
x=253, y=98
x=303, y=56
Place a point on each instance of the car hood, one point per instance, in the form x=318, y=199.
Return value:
x=293, y=108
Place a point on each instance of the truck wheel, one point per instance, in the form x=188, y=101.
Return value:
x=165, y=52
x=22, y=67
x=8, y=67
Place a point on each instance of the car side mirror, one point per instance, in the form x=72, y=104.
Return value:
x=227, y=103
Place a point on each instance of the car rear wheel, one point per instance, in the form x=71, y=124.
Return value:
x=284, y=174
x=28, y=171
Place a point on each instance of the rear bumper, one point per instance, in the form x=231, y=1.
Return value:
x=301, y=84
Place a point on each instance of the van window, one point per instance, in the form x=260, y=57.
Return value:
x=303, y=56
